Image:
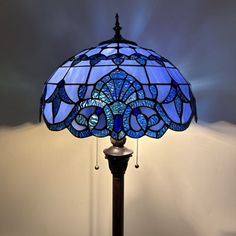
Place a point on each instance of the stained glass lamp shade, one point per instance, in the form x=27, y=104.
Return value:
x=117, y=89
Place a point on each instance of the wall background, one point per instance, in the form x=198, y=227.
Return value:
x=186, y=183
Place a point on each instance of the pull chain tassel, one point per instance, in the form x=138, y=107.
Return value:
x=97, y=164
x=136, y=164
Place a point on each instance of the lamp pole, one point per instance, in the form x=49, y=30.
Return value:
x=118, y=157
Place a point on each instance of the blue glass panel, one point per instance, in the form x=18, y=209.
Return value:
x=140, y=94
x=77, y=75
x=93, y=52
x=105, y=63
x=48, y=112
x=49, y=90
x=153, y=91
x=147, y=91
x=157, y=126
x=128, y=93
x=162, y=114
x=125, y=87
x=158, y=75
x=58, y=75
x=118, y=74
x=72, y=92
x=134, y=123
x=171, y=95
x=153, y=120
x=82, y=91
x=89, y=92
x=101, y=122
x=63, y=112
x=98, y=72
x=130, y=62
x=152, y=63
x=167, y=64
x=163, y=91
x=135, y=134
x=109, y=117
x=178, y=104
x=118, y=86
x=131, y=98
x=143, y=51
x=142, y=121
x=187, y=111
x=185, y=90
x=171, y=111
x=109, y=51
x=87, y=111
x=147, y=111
x=127, y=51
x=83, y=63
x=142, y=103
x=117, y=123
x=100, y=133
x=77, y=126
x=175, y=74
x=136, y=71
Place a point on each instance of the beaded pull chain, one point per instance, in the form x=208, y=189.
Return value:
x=97, y=164
x=136, y=164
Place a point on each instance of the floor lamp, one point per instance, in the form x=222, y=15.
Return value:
x=117, y=89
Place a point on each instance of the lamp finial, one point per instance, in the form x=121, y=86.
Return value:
x=117, y=27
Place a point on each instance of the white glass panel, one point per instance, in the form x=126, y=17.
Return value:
x=130, y=62
x=158, y=75
x=105, y=63
x=67, y=64
x=83, y=63
x=48, y=112
x=109, y=51
x=72, y=92
x=93, y=52
x=63, y=112
x=175, y=74
x=98, y=72
x=112, y=45
x=163, y=91
x=143, y=51
x=185, y=90
x=171, y=112
x=77, y=75
x=50, y=89
x=187, y=111
x=137, y=71
x=123, y=45
x=127, y=51
x=58, y=75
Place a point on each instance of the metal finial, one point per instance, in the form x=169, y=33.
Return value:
x=117, y=27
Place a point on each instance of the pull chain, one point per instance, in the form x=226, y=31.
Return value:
x=136, y=164
x=97, y=165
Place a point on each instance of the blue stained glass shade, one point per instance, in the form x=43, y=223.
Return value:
x=117, y=89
